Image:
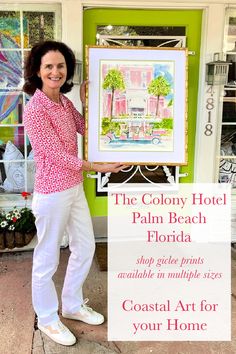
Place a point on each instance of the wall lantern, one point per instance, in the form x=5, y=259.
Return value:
x=217, y=71
x=77, y=79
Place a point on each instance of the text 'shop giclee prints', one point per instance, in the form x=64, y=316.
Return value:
x=136, y=105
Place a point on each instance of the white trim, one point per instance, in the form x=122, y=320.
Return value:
x=24, y=6
x=205, y=146
x=153, y=4
x=145, y=4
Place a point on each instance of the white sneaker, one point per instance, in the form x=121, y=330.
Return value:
x=59, y=333
x=86, y=314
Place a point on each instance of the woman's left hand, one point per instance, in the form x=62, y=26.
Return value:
x=83, y=87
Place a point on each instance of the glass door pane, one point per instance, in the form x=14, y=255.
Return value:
x=227, y=155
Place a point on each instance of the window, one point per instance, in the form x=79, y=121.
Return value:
x=227, y=149
x=20, y=28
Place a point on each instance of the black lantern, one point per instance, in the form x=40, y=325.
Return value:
x=77, y=79
x=217, y=71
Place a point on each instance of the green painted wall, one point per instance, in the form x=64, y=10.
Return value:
x=191, y=20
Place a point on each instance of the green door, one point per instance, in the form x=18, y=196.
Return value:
x=173, y=22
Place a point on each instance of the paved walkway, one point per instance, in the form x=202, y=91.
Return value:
x=17, y=328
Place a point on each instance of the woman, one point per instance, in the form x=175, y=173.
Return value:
x=59, y=204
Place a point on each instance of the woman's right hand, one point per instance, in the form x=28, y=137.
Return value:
x=109, y=167
x=103, y=167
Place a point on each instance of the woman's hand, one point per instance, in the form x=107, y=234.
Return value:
x=108, y=167
x=83, y=92
x=103, y=168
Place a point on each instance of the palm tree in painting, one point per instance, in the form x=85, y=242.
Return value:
x=113, y=81
x=159, y=87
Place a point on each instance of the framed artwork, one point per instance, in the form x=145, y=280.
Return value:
x=136, y=105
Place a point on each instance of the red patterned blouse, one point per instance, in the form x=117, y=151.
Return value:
x=52, y=128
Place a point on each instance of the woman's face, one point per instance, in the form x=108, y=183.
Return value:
x=53, y=71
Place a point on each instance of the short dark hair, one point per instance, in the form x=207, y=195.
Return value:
x=33, y=62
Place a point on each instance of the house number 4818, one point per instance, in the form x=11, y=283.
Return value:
x=209, y=107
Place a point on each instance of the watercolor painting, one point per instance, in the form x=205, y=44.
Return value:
x=136, y=103
x=137, y=100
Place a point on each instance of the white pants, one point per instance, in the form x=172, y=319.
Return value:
x=56, y=213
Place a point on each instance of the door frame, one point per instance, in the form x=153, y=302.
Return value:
x=121, y=16
x=213, y=19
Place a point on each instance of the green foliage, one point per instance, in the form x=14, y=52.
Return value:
x=26, y=223
x=116, y=128
x=159, y=87
x=110, y=126
x=105, y=125
x=171, y=102
x=114, y=80
x=21, y=220
x=157, y=125
x=166, y=123
x=2, y=218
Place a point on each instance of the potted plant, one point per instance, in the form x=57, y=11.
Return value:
x=3, y=225
x=17, y=226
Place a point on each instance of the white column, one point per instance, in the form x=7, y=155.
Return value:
x=206, y=136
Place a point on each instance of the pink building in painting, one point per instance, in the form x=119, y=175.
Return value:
x=135, y=101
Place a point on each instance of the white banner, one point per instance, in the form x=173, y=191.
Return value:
x=169, y=264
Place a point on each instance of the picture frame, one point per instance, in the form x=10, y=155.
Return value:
x=136, y=105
